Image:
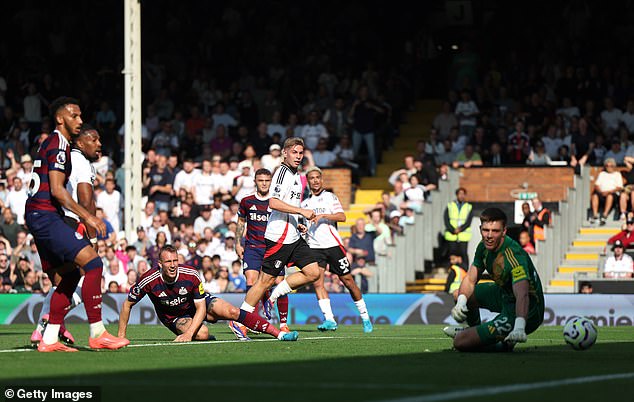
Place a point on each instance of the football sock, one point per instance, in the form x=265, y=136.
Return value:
x=91, y=294
x=326, y=309
x=96, y=329
x=282, y=308
x=62, y=296
x=46, y=307
x=51, y=333
x=247, y=307
x=257, y=323
x=282, y=289
x=363, y=310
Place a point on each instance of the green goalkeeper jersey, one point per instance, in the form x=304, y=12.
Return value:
x=508, y=265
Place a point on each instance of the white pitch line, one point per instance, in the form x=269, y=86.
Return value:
x=479, y=392
x=195, y=343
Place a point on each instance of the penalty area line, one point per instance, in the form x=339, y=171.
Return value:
x=504, y=389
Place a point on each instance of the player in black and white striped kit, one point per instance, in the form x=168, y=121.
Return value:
x=324, y=239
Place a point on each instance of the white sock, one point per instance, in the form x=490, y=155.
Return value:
x=363, y=310
x=46, y=306
x=51, y=333
x=247, y=307
x=324, y=305
x=282, y=289
x=280, y=335
x=96, y=329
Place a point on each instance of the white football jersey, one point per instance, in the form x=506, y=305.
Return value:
x=286, y=185
x=323, y=234
x=82, y=172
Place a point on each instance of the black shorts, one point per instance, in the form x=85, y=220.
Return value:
x=278, y=256
x=335, y=257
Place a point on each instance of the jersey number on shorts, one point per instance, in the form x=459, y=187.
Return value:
x=344, y=264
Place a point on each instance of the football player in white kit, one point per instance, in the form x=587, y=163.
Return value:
x=284, y=244
x=86, y=148
x=322, y=236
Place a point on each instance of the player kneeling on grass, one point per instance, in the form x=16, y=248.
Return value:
x=515, y=293
x=182, y=305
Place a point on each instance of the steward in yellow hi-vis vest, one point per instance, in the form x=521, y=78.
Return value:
x=458, y=217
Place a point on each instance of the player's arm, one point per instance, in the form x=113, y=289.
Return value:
x=240, y=228
x=281, y=206
x=520, y=290
x=86, y=198
x=467, y=286
x=197, y=321
x=59, y=192
x=124, y=317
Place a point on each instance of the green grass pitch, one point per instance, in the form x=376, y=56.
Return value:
x=395, y=362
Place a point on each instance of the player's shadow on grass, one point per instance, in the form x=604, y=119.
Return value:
x=169, y=373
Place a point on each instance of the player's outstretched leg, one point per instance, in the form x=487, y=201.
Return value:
x=307, y=275
x=221, y=310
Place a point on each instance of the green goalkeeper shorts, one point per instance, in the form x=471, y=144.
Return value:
x=490, y=296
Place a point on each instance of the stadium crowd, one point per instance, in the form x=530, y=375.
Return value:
x=215, y=114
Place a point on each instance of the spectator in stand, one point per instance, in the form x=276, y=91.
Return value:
x=362, y=116
x=581, y=142
x=611, y=117
x=336, y=121
x=518, y=147
x=236, y=277
x=244, y=184
x=16, y=199
x=381, y=232
x=203, y=184
x=625, y=236
x=467, y=158
x=598, y=152
x=322, y=156
x=111, y=202
x=362, y=242
x=538, y=155
x=222, y=143
x=619, y=265
x=275, y=126
x=166, y=141
x=628, y=117
x=158, y=227
x=273, y=159
x=394, y=223
x=615, y=152
x=457, y=272
x=524, y=239
x=185, y=178
x=552, y=141
x=467, y=113
x=313, y=131
x=625, y=199
x=408, y=168
x=607, y=189
x=159, y=182
x=444, y=121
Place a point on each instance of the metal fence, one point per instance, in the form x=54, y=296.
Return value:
x=409, y=251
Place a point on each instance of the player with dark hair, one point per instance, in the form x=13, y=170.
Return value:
x=324, y=239
x=515, y=293
x=283, y=241
x=57, y=243
x=182, y=304
x=86, y=149
x=254, y=213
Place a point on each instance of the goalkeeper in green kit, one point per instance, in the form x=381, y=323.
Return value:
x=515, y=293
